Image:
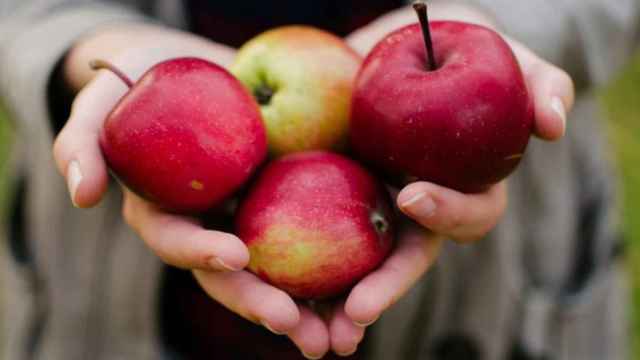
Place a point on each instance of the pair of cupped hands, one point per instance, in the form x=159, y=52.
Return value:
x=217, y=259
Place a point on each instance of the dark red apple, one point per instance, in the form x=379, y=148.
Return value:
x=463, y=124
x=185, y=136
x=315, y=223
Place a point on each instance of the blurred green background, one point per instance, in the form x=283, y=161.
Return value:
x=622, y=104
x=5, y=142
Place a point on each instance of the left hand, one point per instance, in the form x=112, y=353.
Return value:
x=443, y=213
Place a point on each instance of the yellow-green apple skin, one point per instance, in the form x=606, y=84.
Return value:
x=303, y=79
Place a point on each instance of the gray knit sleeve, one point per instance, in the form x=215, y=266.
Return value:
x=589, y=38
x=34, y=35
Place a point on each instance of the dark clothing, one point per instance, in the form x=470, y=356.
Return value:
x=235, y=22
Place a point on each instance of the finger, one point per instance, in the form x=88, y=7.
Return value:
x=180, y=241
x=248, y=296
x=462, y=217
x=552, y=91
x=415, y=253
x=311, y=335
x=77, y=151
x=345, y=335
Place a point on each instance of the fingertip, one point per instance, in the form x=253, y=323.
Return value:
x=279, y=313
x=74, y=180
x=361, y=307
x=79, y=160
x=409, y=193
x=87, y=182
x=560, y=110
x=417, y=201
x=311, y=335
x=553, y=94
x=551, y=119
x=345, y=335
x=231, y=253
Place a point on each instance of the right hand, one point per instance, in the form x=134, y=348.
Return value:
x=216, y=258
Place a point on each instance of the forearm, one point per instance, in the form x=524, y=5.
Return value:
x=125, y=45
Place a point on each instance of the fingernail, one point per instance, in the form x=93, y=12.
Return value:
x=348, y=353
x=312, y=357
x=271, y=329
x=419, y=205
x=361, y=324
x=558, y=106
x=74, y=178
x=216, y=263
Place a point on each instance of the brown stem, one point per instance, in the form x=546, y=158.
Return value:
x=102, y=64
x=421, y=10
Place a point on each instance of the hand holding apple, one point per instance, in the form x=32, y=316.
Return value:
x=445, y=212
x=178, y=240
x=455, y=112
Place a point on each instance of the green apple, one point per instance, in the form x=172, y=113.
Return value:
x=302, y=78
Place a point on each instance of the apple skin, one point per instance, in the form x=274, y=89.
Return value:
x=465, y=125
x=185, y=136
x=315, y=223
x=311, y=74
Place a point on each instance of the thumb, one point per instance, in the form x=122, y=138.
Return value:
x=77, y=150
x=552, y=91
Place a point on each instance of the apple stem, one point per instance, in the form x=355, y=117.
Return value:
x=421, y=10
x=102, y=64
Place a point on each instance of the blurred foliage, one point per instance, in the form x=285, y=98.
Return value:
x=5, y=145
x=622, y=104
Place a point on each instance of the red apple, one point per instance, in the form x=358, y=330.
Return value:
x=463, y=124
x=185, y=136
x=315, y=223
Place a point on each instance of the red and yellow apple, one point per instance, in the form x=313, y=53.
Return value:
x=315, y=223
x=302, y=78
